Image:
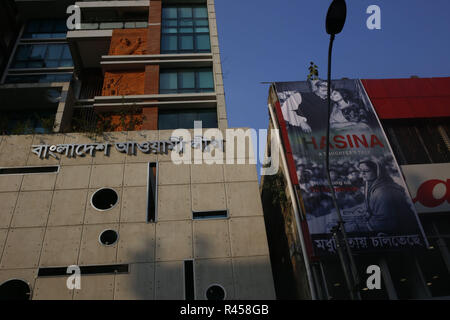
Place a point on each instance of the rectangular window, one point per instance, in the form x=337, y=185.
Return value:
x=185, y=29
x=419, y=141
x=45, y=29
x=189, y=289
x=186, y=81
x=62, y=271
x=152, y=192
x=220, y=214
x=39, y=78
x=42, y=56
x=184, y=119
x=28, y=170
x=28, y=122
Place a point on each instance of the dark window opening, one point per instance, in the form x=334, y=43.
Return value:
x=152, y=198
x=104, y=199
x=62, y=271
x=335, y=281
x=189, y=280
x=27, y=122
x=91, y=84
x=39, y=78
x=434, y=270
x=84, y=120
x=54, y=55
x=28, y=170
x=45, y=29
x=215, y=293
x=433, y=261
x=108, y=237
x=184, y=119
x=220, y=214
x=419, y=141
x=15, y=290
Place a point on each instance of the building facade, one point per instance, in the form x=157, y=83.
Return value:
x=414, y=115
x=87, y=174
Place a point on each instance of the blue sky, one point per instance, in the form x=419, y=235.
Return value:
x=266, y=40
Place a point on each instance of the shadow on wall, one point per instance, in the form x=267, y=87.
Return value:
x=246, y=278
x=217, y=278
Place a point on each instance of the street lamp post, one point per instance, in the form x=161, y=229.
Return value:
x=336, y=15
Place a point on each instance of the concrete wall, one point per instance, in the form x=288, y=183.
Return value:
x=47, y=220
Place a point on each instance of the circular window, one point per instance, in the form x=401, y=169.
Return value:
x=215, y=292
x=15, y=290
x=104, y=199
x=108, y=237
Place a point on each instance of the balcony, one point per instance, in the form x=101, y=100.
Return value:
x=98, y=20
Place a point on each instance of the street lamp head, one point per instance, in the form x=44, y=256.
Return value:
x=336, y=15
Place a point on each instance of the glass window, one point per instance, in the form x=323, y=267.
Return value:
x=169, y=13
x=186, y=81
x=54, y=51
x=202, y=41
x=419, y=141
x=202, y=23
x=169, y=81
x=178, y=23
x=39, y=78
x=170, y=30
x=186, y=42
x=200, y=12
x=185, y=12
x=186, y=23
x=209, y=118
x=45, y=29
x=184, y=119
x=205, y=79
x=42, y=56
x=27, y=122
x=167, y=120
x=169, y=43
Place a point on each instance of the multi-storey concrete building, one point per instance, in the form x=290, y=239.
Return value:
x=86, y=171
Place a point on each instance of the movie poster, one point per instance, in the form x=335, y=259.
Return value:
x=371, y=193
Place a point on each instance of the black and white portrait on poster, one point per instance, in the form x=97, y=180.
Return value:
x=371, y=193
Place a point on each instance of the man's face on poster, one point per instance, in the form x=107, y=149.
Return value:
x=322, y=89
x=367, y=173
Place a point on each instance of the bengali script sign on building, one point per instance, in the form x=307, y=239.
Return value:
x=371, y=193
x=175, y=144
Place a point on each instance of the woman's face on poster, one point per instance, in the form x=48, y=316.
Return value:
x=367, y=173
x=336, y=96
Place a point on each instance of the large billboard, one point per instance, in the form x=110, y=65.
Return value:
x=371, y=193
x=429, y=186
